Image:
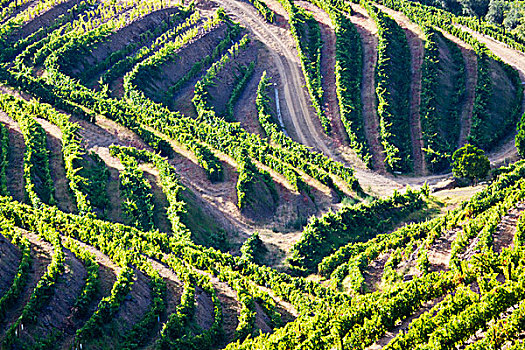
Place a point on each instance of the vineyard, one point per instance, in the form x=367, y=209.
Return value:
x=261, y=174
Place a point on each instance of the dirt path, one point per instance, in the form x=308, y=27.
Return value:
x=285, y=58
x=296, y=100
x=283, y=52
x=416, y=42
x=368, y=31
x=471, y=74
x=516, y=59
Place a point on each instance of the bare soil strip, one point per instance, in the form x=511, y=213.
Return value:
x=374, y=272
x=416, y=39
x=367, y=29
x=231, y=308
x=108, y=272
x=331, y=104
x=133, y=309
x=471, y=71
x=439, y=253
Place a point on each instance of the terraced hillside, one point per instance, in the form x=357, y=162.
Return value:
x=261, y=174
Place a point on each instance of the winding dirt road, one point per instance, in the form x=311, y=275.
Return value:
x=296, y=100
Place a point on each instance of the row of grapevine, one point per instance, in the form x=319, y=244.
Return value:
x=98, y=22
x=121, y=61
x=107, y=307
x=137, y=198
x=352, y=258
x=201, y=99
x=90, y=288
x=55, y=35
x=141, y=331
x=481, y=134
x=245, y=74
x=170, y=185
x=264, y=10
x=199, y=259
x=496, y=32
x=115, y=244
x=230, y=36
x=119, y=241
x=484, y=226
x=175, y=333
x=267, y=120
x=63, y=86
x=10, y=51
x=348, y=76
x=322, y=236
x=30, y=12
x=67, y=55
x=22, y=271
x=371, y=315
x=169, y=50
x=421, y=328
x=37, y=177
x=438, y=147
x=502, y=331
x=4, y=159
x=44, y=288
x=477, y=315
x=174, y=326
x=393, y=91
x=249, y=176
x=84, y=185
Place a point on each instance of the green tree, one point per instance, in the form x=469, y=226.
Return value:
x=497, y=9
x=470, y=162
x=515, y=15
